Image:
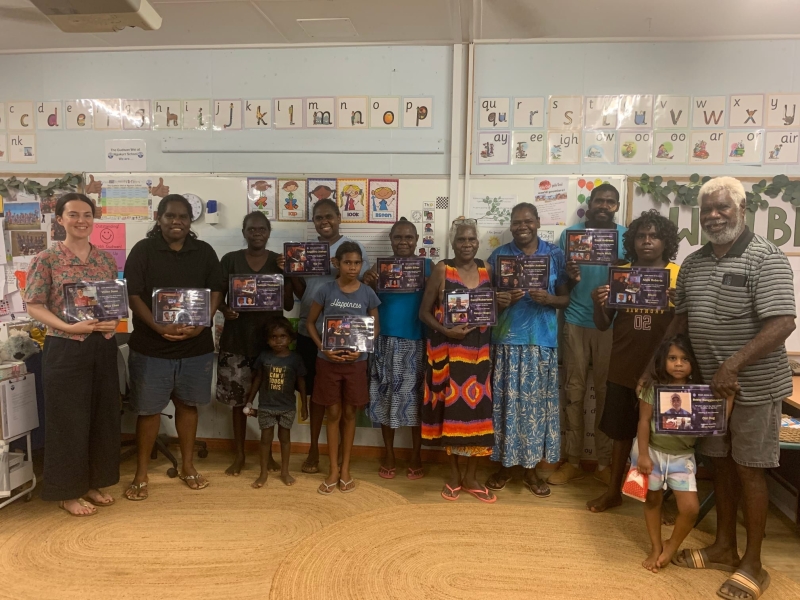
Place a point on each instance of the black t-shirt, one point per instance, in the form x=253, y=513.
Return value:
x=278, y=378
x=246, y=335
x=152, y=265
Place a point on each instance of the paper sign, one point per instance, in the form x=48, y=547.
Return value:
x=638, y=288
x=111, y=238
x=550, y=199
x=126, y=155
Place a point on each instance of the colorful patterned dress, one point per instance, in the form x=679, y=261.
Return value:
x=457, y=405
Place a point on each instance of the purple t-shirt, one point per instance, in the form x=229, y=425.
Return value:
x=335, y=302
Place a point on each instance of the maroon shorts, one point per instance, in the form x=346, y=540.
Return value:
x=341, y=383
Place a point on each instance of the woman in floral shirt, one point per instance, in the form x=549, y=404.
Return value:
x=79, y=373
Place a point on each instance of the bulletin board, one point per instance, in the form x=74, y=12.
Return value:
x=22, y=240
x=497, y=195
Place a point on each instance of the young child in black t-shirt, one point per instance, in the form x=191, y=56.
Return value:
x=277, y=374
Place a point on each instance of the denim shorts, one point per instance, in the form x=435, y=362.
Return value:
x=753, y=438
x=673, y=471
x=155, y=381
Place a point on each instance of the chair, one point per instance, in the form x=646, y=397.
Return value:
x=163, y=440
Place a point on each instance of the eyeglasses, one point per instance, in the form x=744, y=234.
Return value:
x=465, y=222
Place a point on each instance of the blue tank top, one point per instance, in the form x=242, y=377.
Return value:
x=399, y=312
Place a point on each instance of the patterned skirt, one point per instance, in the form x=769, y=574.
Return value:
x=234, y=375
x=396, y=379
x=457, y=405
x=526, y=413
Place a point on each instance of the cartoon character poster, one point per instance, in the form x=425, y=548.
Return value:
x=383, y=199
x=351, y=195
x=319, y=189
x=261, y=195
x=292, y=199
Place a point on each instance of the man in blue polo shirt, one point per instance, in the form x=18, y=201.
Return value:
x=584, y=344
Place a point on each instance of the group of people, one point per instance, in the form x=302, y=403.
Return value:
x=477, y=391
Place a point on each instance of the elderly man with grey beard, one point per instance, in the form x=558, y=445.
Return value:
x=735, y=299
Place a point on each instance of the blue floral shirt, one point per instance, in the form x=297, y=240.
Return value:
x=528, y=323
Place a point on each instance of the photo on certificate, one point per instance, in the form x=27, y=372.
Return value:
x=689, y=410
x=592, y=246
x=182, y=306
x=638, y=287
x=401, y=274
x=523, y=272
x=101, y=300
x=470, y=307
x=349, y=332
x=255, y=292
x=307, y=258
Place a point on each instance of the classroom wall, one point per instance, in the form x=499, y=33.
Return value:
x=681, y=68
x=257, y=73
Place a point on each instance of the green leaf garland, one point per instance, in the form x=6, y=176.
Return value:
x=67, y=182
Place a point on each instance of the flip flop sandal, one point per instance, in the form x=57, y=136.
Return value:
x=137, y=488
x=453, y=491
x=532, y=487
x=743, y=582
x=329, y=487
x=64, y=508
x=485, y=492
x=310, y=468
x=698, y=559
x=200, y=486
x=385, y=473
x=98, y=504
x=343, y=486
x=415, y=473
x=500, y=482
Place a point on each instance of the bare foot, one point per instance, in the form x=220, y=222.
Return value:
x=261, y=481
x=98, y=498
x=604, y=502
x=77, y=508
x=236, y=467
x=287, y=479
x=272, y=465
x=670, y=548
x=311, y=464
x=651, y=562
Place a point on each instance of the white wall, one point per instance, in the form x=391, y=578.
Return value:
x=680, y=68
x=264, y=73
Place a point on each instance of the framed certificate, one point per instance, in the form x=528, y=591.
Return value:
x=307, y=258
x=101, y=300
x=470, y=307
x=689, y=410
x=182, y=306
x=349, y=332
x=255, y=292
x=592, y=246
x=523, y=272
x=401, y=274
x=638, y=287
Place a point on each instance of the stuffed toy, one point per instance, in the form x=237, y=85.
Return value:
x=18, y=346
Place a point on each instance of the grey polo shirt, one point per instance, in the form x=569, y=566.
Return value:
x=727, y=300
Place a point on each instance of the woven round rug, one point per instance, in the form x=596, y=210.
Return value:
x=222, y=542
x=485, y=552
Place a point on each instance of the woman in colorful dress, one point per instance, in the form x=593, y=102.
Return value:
x=79, y=368
x=397, y=369
x=525, y=349
x=244, y=335
x=457, y=403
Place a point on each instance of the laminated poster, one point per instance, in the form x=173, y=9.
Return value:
x=307, y=258
x=689, y=410
x=101, y=300
x=592, y=246
x=349, y=332
x=255, y=292
x=638, y=287
x=401, y=274
x=523, y=272
x=470, y=307
x=182, y=306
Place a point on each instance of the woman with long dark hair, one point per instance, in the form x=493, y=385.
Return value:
x=176, y=361
x=79, y=368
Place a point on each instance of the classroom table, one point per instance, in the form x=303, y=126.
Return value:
x=788, y=473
